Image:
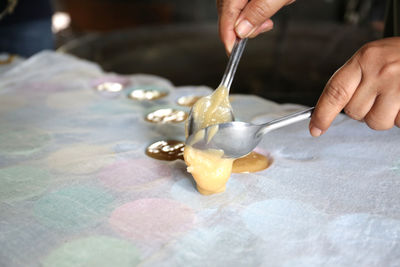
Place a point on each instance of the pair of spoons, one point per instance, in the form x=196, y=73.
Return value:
x=237, y=139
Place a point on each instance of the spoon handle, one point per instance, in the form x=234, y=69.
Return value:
x=233, y=62
x=287, y=120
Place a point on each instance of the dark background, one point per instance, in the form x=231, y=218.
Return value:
x=178, y=39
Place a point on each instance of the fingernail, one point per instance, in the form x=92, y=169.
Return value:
x=315, y=131
x=244, y=28
x=229, y=49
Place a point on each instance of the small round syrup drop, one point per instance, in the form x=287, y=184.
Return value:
x=166, y=115
x=147, y=94
x=111, y=87
x=7, y=59
x=188, y=101
x=166, y=150
x=253, y=162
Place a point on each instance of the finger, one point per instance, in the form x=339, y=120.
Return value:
x=383, y=113
x=255, y=13
x=337, y=93
x=362, y=100
x=228, y=11
x=397, y=120
x=265, y=27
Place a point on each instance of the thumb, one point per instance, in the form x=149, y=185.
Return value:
x=255, y=13
x=337, y=93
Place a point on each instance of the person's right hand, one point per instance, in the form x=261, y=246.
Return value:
x=246, y=18
x=367, y=87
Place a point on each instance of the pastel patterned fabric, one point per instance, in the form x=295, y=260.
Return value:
x=77, y=189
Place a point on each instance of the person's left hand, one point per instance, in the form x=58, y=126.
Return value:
x=367, y=87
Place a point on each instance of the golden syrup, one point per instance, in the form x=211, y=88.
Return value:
x=166, y=150
x=166, y=115
x=253, y=162
x=147, y=94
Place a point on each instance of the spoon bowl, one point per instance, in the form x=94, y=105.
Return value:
x=238, y=139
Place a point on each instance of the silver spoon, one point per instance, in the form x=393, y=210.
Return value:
x=238, y=139
x=230, y=70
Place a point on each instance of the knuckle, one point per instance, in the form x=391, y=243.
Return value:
x=353, y=113
x=223, y=7
x=228, y=11
x=369, y=51
x=336, y=93
x=259, y=11
x=390, y=70
x=374, y=122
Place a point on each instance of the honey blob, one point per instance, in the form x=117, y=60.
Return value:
x=212, y=109
x=209, y=169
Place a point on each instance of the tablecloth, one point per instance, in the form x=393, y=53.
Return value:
x=76, y=188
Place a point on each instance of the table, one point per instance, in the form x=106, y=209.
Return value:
x=76, y=188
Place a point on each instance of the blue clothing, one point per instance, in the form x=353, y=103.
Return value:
x=28, y=29
x=26, y=38
x=26, y=10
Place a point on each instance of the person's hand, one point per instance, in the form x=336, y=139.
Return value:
x=244, y=18
x=367, y=87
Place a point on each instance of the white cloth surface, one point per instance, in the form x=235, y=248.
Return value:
x=76, y=188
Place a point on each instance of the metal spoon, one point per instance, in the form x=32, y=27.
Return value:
x=230, y=70
x=238, y=139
